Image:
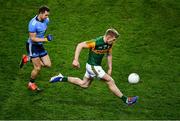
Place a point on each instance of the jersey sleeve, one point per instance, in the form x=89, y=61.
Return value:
x=91, y=43
x=32, y=27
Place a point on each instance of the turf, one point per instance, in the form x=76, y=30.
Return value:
x=149, y=45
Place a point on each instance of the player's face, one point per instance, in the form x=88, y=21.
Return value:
x=111, y=38
x=44, y=15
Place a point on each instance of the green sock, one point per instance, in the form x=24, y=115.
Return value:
x=64, y=79
x=124, y=98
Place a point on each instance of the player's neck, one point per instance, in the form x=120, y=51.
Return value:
x=39, y=18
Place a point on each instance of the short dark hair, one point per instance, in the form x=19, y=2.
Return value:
x=42, y=9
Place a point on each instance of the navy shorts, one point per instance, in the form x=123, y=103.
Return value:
x=35, y=50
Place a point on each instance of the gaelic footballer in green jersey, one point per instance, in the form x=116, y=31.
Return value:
x=97, y=49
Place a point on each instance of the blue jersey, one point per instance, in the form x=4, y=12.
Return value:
x=38, y=27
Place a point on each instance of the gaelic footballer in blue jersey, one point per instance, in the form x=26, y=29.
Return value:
x=35, y=49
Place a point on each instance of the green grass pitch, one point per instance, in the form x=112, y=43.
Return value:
x=149, y=45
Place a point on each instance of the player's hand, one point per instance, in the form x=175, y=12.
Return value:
x=49, y=37
x=109, y=72
x=76, y=64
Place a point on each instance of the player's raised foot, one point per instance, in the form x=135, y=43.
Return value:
x=33, y=87
x=24, y=60
x=131, y=100
x=57, y=78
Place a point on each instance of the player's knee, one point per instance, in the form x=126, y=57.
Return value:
x=110, y=81
x=37, y=68
x=48, y=65
x=84, y=86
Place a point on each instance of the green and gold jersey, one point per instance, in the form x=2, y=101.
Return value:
x=97, y=49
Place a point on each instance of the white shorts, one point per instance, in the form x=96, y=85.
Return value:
x=93, y=71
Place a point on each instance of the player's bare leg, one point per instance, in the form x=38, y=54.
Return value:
x=37, y=67
x=86, y=82
x=74, y=80
x=82, y=83
x=112, y=86
x=45, y=61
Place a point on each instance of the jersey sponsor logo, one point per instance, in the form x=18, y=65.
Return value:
x=105, y=46
x=100, y=51
x=100, y=47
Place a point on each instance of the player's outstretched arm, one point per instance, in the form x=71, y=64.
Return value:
x=79, y=47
